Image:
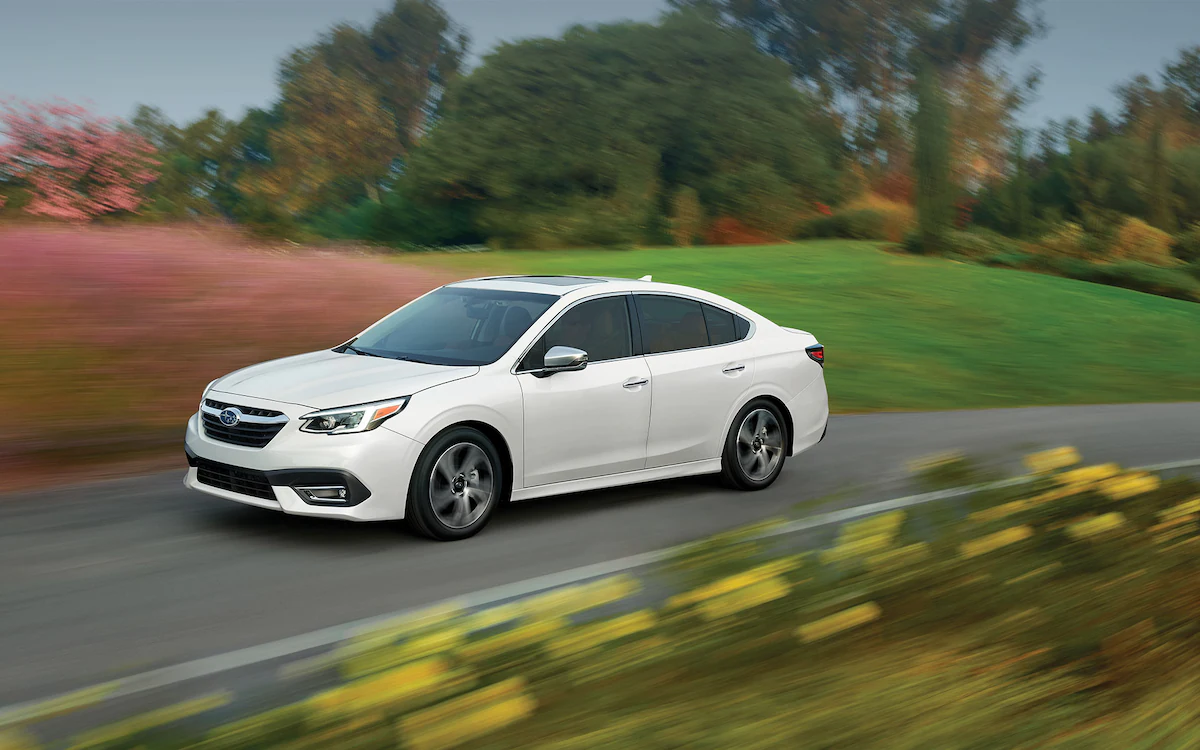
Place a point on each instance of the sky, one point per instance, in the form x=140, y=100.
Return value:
x=187, y=56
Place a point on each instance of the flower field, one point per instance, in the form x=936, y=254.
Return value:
x=1057, y=613
x=109, y=336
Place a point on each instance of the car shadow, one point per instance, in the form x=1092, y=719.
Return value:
x=261, y=525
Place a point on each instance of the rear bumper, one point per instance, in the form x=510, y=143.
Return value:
x=374, y=466
x=810, y=416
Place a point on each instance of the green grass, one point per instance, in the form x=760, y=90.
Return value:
x=911, y=333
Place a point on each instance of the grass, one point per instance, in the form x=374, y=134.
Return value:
x=1061, y=613
x=109, y=335
x=912, y=333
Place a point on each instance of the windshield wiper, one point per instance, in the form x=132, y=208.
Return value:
x=363, y=352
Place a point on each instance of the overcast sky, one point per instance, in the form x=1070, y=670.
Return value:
x=186, y=56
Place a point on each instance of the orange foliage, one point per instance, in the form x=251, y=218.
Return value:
x=727, y=230
x=894, y=186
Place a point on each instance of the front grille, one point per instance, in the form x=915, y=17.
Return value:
x=245, y=434
x=233, y=479
x=250, y=410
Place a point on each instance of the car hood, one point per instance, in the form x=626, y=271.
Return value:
x=326, y=379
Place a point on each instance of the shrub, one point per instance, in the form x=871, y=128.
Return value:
x=1065, y=239
x=730, y=231
x=982, y=244
x=898, y=218
x=1186, y=247
x=1140, y=277
x=858, y=224
x=1137, y=240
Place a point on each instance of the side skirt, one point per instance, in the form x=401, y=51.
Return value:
x=693, y=468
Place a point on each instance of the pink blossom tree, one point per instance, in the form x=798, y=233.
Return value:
x=77, y=166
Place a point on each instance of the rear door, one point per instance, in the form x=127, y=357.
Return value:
x=701, y=365
x=594, y=421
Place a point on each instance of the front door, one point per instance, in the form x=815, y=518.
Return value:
x=591, y=422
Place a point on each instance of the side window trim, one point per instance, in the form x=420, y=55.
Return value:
x=634, y=326
x=752, y=327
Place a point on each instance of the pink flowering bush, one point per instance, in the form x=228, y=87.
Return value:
x=76, y=166
x=109, y=335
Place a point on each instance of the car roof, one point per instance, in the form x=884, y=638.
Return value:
x=556, y=285
x=583, y=286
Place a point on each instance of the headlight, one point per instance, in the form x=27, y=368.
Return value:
x=358, y=418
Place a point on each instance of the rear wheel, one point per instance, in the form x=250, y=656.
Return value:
x=456, y=485
x=755, y=447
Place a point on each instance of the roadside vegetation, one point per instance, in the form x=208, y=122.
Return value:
x=1056, y=613
x=110, y=335
x=380, y=134
x=917, y=333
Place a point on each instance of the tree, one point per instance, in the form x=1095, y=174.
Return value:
x=407, y=57
x=1158, y=197
x=1183, y=76
x=336, y=139
x=76, y=166
x=861, y=53
x=931, y=155
x=687, y=216
x=1022, y=211
x=583, y=140
x=1099, y=126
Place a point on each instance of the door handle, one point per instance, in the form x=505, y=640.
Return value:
x=634, y=382
x=733, y=368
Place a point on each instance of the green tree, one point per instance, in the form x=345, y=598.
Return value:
x=407, y=56
x=584, y=139
x=1158, y=197
x=859, y=54
x=336, y=139
x=931, y=156
x=1022, y=211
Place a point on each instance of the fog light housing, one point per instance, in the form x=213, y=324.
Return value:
x=333, y=493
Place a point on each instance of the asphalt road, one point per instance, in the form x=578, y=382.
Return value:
x=111, y=579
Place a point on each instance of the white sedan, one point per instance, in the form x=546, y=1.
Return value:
x=511, y=388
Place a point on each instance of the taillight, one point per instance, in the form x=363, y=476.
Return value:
x=816, y=353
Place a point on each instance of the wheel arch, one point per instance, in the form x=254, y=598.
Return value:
x=787, y=418
x=498, y=440
x=762, y=395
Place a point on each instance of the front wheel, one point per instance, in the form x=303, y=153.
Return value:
x=457, y=482
x=755, y=447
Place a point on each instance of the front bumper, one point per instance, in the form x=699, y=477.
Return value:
x=374, y=465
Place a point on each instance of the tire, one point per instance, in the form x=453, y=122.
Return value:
x=444, y=494
x=752, y=460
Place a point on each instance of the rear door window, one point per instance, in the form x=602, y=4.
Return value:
x=671, y=324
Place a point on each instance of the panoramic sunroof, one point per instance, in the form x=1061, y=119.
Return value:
x=561, y=280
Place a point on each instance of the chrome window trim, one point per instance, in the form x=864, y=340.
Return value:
x=634, y=293
x=749, y=334
x=514, y=371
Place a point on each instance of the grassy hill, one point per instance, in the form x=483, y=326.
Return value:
x=911, y=333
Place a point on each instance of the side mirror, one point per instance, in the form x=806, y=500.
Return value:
x=564, y=359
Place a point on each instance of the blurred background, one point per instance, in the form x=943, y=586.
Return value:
x=972, y=204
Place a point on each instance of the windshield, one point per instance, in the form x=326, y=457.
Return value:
x=454, y=326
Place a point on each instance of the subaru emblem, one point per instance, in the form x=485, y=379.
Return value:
x=230, y=417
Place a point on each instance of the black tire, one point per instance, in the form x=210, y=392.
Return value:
x=773, y=436
x=429, y=492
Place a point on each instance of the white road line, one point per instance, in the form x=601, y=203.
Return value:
x=211, y=665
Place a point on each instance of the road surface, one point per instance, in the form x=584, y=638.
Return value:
x=116, y=578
